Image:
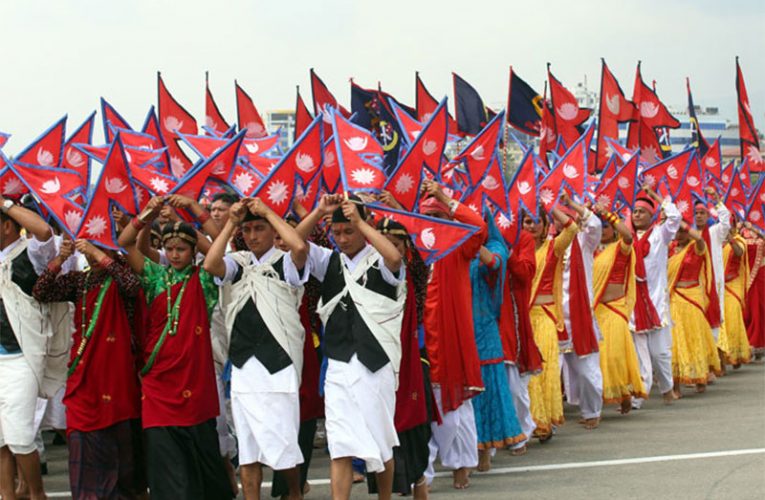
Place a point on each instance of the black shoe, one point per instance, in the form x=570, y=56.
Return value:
x=59, y=440
x=44, y=468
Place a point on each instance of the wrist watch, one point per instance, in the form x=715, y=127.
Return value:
x=7, y=204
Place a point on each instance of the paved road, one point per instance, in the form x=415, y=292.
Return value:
x=704, y=446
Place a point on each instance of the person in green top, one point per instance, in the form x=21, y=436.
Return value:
x=180, y=398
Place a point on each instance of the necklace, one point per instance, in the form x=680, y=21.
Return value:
x=171, y=324
x=87, y=332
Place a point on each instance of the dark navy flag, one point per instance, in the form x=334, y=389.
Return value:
x=370, y=110
x=471, y=113
x=524, y=106
x=697, y=139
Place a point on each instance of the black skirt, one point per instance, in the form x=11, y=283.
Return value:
x=185, y=462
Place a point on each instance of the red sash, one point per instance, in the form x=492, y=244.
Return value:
x=180, y=388
x=410, y=396
x=646, y=317
x=103, y=388
x=311, y=404
x=580, y=312
x=713, y=308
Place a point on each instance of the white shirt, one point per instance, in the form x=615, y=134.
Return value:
x=656, y=260
x=318, y=261
x=589, y=239
x=291, y=275
x=718, y=232
x=39, y=252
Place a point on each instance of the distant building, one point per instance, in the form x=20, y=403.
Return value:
x=283, y=121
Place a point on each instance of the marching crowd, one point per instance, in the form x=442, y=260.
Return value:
x=333, y=314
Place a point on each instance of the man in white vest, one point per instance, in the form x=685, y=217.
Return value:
x=361, y=306
x=265, y=340
x=25, y=331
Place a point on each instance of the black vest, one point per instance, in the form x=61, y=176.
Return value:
x=346, y=333
x=251, y=337
x=24, y=275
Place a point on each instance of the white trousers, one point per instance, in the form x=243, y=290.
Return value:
x=583, y=382
x=18, y=402
x=654, y=350
x=455, y=441
x=519, y=387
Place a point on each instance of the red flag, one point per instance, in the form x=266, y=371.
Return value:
x=521, y=196
x=492, y=188
x=111, y=118
x=46, y=150
x=330, y=170
x=151, y=180
x=303, y=117
x=426, y=105
x=755, y=212
x=750, y=142
x=4, y=138
x=620, y=190
x=614, y=109
x=434, y=238
x=570, y=171
x=409, y=125
x=736, y=191
x=222, y=161
x=323, y=100
x=308, y=194
x=360, y=156
x=302, y=160
x=56, y=189
x=73, y=158
x=213, y=117
x=691, y=189
x=651, y=114
x=667, y=175
x=173, y=118
x=566, y=111
x=114, y=187
x=247, y=114
x=425, y=152
x=477, y=154
x=10, y=184
x=712, y=161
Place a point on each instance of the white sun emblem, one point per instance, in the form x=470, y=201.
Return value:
x=243, y=182
x=364, y=176
x=762, y=197
x=710, y=162
x=753, y=154
x=546, y=195
x=303, y=193
x=254, y=129
x=72, y=219
x=252, y=147
x=693, y=181
x=159, y=185
x=682, y=206
x=44, y=158
x=172, y=124
x=404, y=184
x=648, y=109
x=650, y=154
x=623, y=182
x=278, y=192
x=604, y=200
x=140, y=195
x=177, y=167
x=726, y=178
x=755, y=216
x=74, y=158
x=95, y=226
x=734, y=192
x=52, y=186
x=672, y=172
x=650, y=180
x=503, y=222
x=13, y=186
x=428, y=238
x=329, y=159
x=114, y=185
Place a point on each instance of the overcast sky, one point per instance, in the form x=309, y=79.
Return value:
x=59, y=57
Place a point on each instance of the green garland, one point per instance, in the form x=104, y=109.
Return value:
x=171, y=326
x=93, y=320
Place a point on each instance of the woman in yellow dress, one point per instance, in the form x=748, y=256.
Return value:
x=613, y=284
x=694, y=353
x=733, y=341
x=547, y=317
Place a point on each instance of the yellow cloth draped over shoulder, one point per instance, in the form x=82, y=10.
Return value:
x=733, y=340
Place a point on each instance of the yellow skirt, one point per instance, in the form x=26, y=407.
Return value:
x=544, y=388
x=733, y=341
x=618, y=358
x=694, y=353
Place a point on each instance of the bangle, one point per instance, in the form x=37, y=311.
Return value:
x=137, y=223
x=203, y=217
x=106, y=261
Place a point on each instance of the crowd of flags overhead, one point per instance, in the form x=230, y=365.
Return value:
x=382, y=144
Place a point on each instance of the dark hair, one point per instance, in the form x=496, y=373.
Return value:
x=415, y=266
x=181, y=230
x=339, y=216
x=4, y=217
x=225, y=198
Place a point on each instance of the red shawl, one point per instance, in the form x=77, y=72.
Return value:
x=410, y=396
x=580, y=312
x=311, y=403
x=646, y=317
x=713, y=308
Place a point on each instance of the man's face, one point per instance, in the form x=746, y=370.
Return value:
x=258, y=236
x=641, y=218
x=349, y=240
x=9, y=232
x=219, y=212
x=701, y=216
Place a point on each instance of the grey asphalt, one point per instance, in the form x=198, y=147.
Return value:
x=659, y=443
